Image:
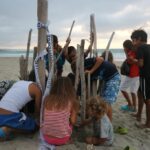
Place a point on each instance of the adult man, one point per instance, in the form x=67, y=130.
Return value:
x=139, y=39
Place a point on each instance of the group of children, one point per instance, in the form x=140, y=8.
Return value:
x=61, y=105
x=138, y=56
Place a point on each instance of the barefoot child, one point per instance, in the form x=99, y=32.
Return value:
x=60, y=112
x=102, y=127
x=131, y=81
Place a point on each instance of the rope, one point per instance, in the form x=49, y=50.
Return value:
x=43, y=144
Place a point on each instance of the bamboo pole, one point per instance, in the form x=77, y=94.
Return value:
x=42, y=14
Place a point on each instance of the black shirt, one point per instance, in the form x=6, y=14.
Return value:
x=143, y=52
x=105, y=71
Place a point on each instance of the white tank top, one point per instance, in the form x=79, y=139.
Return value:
x=16, y=97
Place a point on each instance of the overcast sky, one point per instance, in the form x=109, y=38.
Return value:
x=17, y=17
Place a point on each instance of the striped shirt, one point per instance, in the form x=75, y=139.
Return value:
x=56, y=123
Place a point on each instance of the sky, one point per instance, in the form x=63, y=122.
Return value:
x=17, y=17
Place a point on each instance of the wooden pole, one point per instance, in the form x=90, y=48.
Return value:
x=67, y=38
x=24, y=60
x=93, y=30
x=34, y=56
x=42, y=14
x=108, y=45
x=77, y=68
x=28, y=46
x=83, y=89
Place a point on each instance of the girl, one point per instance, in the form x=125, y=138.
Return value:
x=102, y=127
x=60, y=112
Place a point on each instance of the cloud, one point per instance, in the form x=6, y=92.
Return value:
x=18, y=16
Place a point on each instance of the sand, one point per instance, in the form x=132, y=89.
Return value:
x=138, y=139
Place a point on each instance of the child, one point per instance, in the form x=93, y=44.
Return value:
x=110, y=56
x=132, y=80
x=106, y=71
x=139, y=40
x=102, y=127
x=60, y=112
x=57, y=50
x=71, y=53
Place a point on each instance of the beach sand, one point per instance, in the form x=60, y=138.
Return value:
x=138, y=139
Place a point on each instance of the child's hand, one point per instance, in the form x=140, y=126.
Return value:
x=68, y=40
x=78, y=125
x=87, y=72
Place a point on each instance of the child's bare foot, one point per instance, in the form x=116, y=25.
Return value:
x=137, y=116
x=142, y=126
x=5, y=134
x=90, y=140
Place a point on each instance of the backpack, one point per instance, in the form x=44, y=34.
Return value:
x=125, y=68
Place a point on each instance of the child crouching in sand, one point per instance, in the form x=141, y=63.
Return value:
x=102, y=127
x=60, y=112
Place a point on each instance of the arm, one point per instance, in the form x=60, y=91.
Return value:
x=132, y=60
x=140, y=62
x=74, y=112
x=140, y=55
x=36, y=93
x=99, y=61
x=85, y=122
x=66, y=47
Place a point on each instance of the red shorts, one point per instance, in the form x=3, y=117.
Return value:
x=56, y=141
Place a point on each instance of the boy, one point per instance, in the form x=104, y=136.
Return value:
x=139, y=39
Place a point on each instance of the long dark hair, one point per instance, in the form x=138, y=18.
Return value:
x=62, y=93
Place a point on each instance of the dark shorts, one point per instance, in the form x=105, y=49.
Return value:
x=18, y=121
x=145, y=87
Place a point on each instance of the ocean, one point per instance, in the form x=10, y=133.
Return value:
x=118, y=54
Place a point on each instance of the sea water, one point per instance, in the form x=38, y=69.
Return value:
x=118, y=54
x=14, y=53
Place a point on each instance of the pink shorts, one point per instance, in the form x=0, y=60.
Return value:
x=56, y=141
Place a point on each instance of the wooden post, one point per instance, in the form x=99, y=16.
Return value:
x=89, y=86
x=83, y=89
x=108, y=45
x=42, y=14
x=24, y=60
x=28, y=47
x=34, y=56
x=77, y=68
x=93, y=30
